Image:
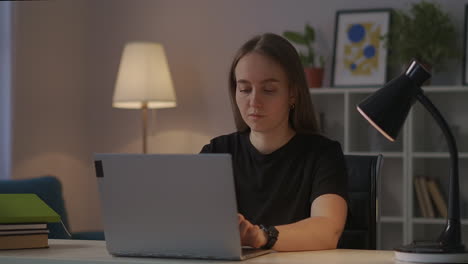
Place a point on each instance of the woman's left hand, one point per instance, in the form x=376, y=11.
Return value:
x=251, y=235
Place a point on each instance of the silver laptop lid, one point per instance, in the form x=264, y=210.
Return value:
x=169, y=205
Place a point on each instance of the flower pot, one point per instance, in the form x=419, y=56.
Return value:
x=314, y=77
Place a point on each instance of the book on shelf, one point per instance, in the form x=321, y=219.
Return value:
x=419, y=197
x=426, y=197
x=437, y=198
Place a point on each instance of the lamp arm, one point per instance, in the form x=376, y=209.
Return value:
x=451, y=236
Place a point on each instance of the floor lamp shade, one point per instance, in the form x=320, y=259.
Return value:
x=143, y=78
x=144, y=81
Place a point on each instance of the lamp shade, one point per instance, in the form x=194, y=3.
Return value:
x=388, y=107
x=144, y=79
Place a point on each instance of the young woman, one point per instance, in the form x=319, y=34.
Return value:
x=290, y=181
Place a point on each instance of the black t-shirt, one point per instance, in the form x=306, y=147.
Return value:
x=279, y=188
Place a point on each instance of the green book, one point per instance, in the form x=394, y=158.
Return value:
x=25, y=208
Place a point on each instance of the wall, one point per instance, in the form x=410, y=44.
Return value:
x=69, y=53
x=200, y=38
x=49, y=122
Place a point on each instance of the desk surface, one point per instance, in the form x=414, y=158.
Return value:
x=82, y=251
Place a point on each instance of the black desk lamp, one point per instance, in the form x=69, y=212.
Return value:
x=386, y=110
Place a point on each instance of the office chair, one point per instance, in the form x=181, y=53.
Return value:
x=49, y=189
x=361, y=223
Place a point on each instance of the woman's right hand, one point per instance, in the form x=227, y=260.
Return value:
x=251, y=235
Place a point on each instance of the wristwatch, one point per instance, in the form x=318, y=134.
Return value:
x=272, y=234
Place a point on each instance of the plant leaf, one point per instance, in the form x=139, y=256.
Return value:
x=295, y=37
x=425, y=32
x=309, y=33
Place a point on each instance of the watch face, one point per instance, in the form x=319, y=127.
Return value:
x=272, y=231
x=272, y=234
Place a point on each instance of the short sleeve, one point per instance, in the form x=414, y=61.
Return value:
x=221, y=144
x=330, y=173
x=208, y=148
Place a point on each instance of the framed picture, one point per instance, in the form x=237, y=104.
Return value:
x=465, y=49
x=359, y=55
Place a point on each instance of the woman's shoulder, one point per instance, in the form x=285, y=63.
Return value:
x=227, y=138
x=224, y=143
x=318, y=142
x=320, y=149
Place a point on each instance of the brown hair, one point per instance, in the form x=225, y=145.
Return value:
x=302, y=117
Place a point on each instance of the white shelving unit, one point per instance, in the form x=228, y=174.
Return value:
x=420, y=149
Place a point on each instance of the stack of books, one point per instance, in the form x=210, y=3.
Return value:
x=430, y=200
x=23, y=221
x=17, y=236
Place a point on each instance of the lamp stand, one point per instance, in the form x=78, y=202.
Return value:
x=144, y=117
x=448, y=248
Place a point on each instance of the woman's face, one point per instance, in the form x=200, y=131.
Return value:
x=262, y=93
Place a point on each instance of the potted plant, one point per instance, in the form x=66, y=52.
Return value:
x=313, y=65
x=425, y=33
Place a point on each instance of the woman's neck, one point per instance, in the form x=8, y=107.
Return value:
x=267, y=143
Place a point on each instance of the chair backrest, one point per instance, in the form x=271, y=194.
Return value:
x=361, y=223
x=49, y=189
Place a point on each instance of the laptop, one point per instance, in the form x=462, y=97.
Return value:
x=175, y=205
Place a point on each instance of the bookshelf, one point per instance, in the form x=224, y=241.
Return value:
x=420, y=150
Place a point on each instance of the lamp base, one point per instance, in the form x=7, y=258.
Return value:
x=431, y=252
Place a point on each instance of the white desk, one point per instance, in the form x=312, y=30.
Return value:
x=82, y=251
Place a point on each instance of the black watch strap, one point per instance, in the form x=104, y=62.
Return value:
x=272, y=234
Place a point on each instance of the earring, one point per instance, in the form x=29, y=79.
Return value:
x=292, y=106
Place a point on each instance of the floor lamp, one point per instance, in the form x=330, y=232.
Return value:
x=144, y=81
x=387, y=109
